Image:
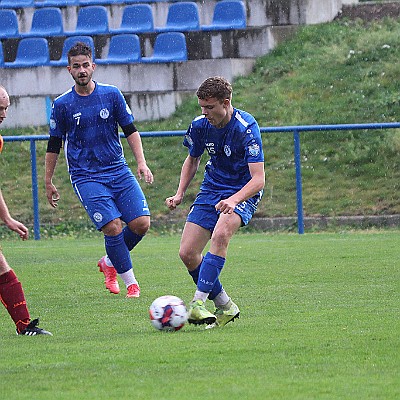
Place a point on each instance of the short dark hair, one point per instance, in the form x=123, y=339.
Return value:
x=79, y=49
x=215, y=87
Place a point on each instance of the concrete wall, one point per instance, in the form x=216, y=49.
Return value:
x=154, y=91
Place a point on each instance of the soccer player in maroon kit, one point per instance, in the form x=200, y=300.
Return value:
x=11, y=292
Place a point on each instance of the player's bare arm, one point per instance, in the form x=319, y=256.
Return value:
x=51, y=191
x=253, y=186
x=10, y=222
x=189, y=169
x=135, y=143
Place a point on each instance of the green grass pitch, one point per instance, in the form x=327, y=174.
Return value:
x=319, y=320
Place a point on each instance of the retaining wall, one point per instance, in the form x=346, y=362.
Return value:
x=154, y=91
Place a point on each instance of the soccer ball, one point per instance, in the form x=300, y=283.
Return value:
x=168, y=313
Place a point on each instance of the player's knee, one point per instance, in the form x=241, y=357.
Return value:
x=112, y=228
x=221, y=238
x=140, y=225
x=186, y=256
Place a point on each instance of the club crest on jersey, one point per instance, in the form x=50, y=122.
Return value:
x=104, y=113
x=254, y=150
x=97, y=217
x=227, y=150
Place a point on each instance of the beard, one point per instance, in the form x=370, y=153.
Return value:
x=83, y=80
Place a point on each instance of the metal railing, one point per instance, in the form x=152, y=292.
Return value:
x=296, y=130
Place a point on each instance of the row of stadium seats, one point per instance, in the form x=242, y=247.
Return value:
x=123, y=49
x=93, y=20
x=65, y=3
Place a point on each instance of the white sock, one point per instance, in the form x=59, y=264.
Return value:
x=221, y=299
x=200, y=296
x=108, y=262
x=128, y=277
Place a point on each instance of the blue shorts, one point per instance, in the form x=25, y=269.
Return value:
x=105, y=200
x=204, y=214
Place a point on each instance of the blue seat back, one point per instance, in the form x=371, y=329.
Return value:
x=229, y=14
x=8, y=24
x=182, y=16
x=92, y=20
x=99, y=2
x=1, y=55
x=56, y=3
x=124, y=48
x=168, y=47
x=136, y=18
x=16, y=3
x=31, y=52
x=46, y=22
x=68, y=43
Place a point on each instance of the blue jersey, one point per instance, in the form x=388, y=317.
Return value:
x=89, y=127
x=231, y=149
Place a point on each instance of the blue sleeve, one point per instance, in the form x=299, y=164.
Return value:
x=123, y=112
x=253, y=144
x=194, y=140
x=57, y=123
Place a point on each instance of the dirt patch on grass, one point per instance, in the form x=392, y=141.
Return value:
x=371, y=11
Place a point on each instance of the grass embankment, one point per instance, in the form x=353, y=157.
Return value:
x=339, y=72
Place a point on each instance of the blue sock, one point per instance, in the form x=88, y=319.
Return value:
x=195, y=274
x=118, y=252
x=210, y=269
x=131, y=238
x=217, y=288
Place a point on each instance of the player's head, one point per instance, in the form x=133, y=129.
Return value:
x=80, y=63
x=4, y=103
x=79, y=49
x=214, y=97
x=215, y=87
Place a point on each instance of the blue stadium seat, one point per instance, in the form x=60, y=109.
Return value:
x=46, y=22
x=182, y=17
x=145, y=1
x=56, y=3
x=1, y=55
x=68, y=43
x=228, y=14
x=8, y=24
x=99, y=2
x=168, y=47
x=16, y=3
x=136, y=18
x=31, y=52
x=124, y=49
x=92, y=20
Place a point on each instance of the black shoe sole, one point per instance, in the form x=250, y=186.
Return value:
x=208, y=321
x=236, y=316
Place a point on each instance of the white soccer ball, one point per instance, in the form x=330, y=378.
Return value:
x=168, y=313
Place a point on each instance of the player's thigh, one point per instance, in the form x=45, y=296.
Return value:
x=226, y=227
x=193, y=241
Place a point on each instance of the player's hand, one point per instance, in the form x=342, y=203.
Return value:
x=173, y=201
x=19, y=228
x=225, y=206
x=52, y=195
x=144, y=171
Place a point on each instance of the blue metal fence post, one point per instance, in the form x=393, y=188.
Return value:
x=35, y=192
x=299, y=189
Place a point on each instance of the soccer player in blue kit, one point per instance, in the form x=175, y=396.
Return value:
x=86, y=119
x=232, y=187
